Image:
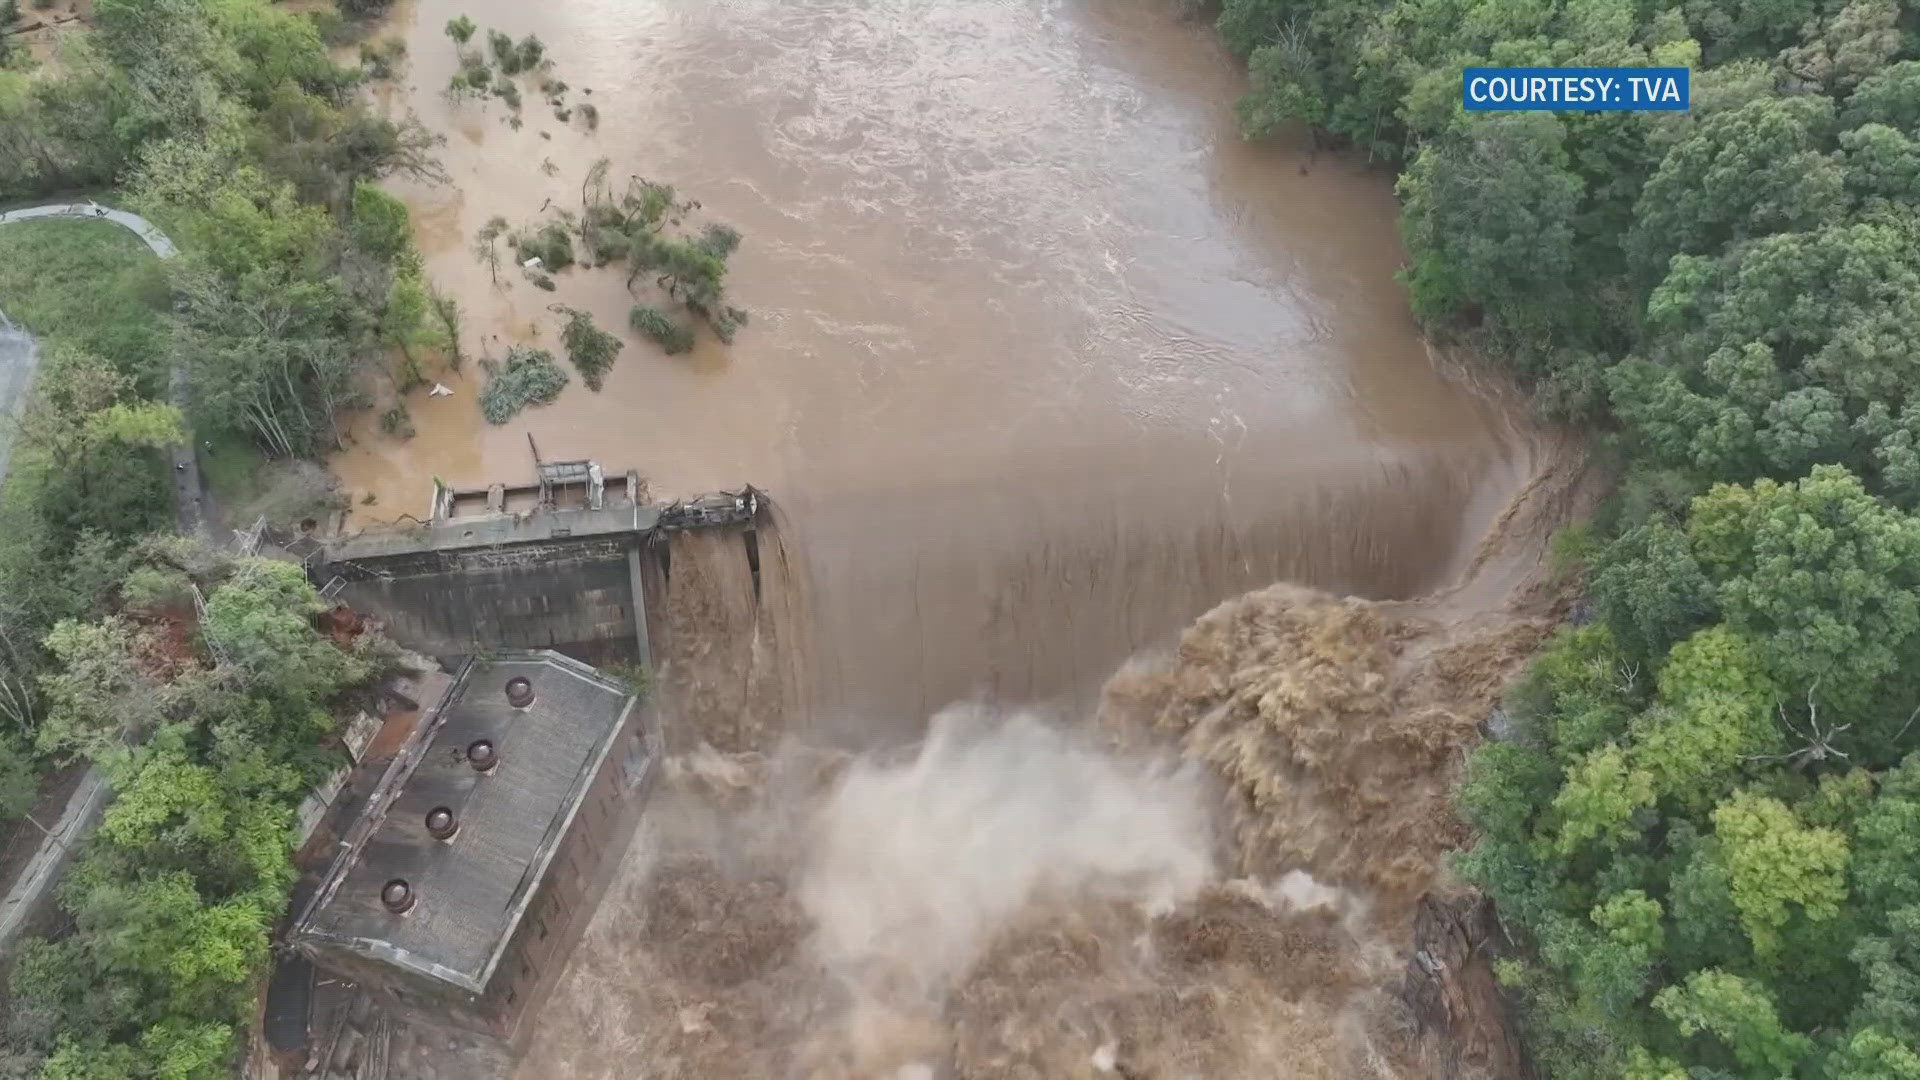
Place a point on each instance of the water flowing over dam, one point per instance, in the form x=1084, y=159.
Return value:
x=1044, y=359
x=1045, y=363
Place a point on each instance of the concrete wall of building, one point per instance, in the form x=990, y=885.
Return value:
x=578, y=878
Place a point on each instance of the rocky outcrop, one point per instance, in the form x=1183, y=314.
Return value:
x=1464, y=1027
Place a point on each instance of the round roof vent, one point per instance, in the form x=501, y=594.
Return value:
x=519, y=692
x=441, y=824
x=397, y=896
x=481, y=755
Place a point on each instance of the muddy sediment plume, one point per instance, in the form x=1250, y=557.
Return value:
x=715, y=930
x=1008, y=899
x=1337, y=725
x=1230, y=984
x=1216, y=876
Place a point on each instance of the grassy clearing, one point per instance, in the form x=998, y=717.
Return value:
x=22, y=527
x=235, y=472
x=91, y=283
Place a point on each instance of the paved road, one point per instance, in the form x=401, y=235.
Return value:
x=155, y=239
x=19, y=357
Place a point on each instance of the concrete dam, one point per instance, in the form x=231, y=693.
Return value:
x=589, y=580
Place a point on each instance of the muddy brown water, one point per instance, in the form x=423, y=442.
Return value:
x=1044, y=360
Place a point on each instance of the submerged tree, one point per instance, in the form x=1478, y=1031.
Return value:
x=591, y=349
x=484, y=245
x=657, y=326
x=527, y=377
x=642, y=227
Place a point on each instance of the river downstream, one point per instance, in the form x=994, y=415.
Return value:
x=1044, y=360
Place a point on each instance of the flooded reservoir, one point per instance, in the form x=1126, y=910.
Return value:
x=1044, y=360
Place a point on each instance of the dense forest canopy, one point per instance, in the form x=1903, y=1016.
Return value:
x=1704, y=828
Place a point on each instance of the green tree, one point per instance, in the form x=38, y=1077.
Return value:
x=1747, y=172
x=1652, y=589
x=1740, y=1014
x=1580, y=690
x=1822, y=577
x=1846, y=44
x=591, y=349
x=19, y=783
x=1600, y=800
x=1890, y=96
x=1286, y=83
x=380, y=223
x=262, y=619
x=1874, y=1055
x=1783, y=354
x=1489, y=215
x=1886, y=868
x=1883, y=168
x=1890, y=964
x=486, y=247
x=76, y=1061
x=1774, y=861
x=1715, y=718
x=87, y=419
x=98, y=691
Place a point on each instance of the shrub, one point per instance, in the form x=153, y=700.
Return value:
x=381, y=60
x=726, y=322
x=655, y=324
x=719, y=240
x=590, y=114
x=474, y=71
x=552, y=242
x=150, y=588
x=461, y=30
x=504, y=89
x=530, y=52
x=591, y=349
x=504, y=52
x=333, y=29
x=397, y=421
x=527, y=377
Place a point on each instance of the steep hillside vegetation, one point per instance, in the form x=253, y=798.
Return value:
x=1704, y=818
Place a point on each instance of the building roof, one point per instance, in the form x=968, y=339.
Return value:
x=471, y=891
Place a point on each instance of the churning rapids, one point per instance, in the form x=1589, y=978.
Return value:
x=1045, y=363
